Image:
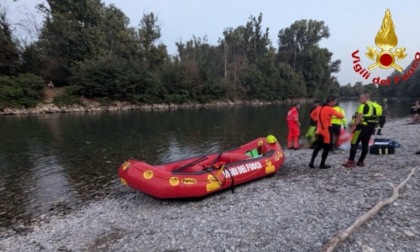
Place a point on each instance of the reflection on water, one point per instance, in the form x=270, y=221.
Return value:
x=49, y=182
x=176, y=149
x=72, y=158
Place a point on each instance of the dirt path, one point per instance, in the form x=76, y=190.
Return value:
x=50, y=93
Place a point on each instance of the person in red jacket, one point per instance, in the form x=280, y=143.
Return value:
x=323, y=114
x=293, y=125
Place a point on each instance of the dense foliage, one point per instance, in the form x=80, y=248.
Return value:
x=89, y=48
x=9, y=54
x=401, y=84
x=21, y=90
x=399, y=87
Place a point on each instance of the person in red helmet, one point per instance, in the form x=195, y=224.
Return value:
x=323, y=114
x=293, y=126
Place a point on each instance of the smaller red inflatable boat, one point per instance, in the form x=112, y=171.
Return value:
x=203, y=175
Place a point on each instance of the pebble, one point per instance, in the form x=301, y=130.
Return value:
x=366, y=248
x=409, y=233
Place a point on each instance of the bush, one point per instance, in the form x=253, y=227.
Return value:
x=176, y=98
x=106, y=77
x=22, y=90
x=66, y=99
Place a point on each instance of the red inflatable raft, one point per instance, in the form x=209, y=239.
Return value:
x=203, y=175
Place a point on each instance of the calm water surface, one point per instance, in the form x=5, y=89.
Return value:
x=46, y=160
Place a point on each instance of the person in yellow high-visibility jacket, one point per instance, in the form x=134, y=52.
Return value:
x=336, y=124
x=362, y=128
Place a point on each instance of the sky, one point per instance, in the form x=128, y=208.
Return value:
x=353, y=25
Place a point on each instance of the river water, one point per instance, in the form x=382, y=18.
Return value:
x=61, y=160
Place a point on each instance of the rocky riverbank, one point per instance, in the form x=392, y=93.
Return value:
x=48, y=105
x=298, y=209
x=87, y=105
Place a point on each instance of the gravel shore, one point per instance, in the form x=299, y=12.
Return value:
x=298, y=209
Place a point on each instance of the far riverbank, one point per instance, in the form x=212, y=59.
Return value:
x=87, y=105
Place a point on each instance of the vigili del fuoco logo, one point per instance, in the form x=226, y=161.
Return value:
x=387, y=56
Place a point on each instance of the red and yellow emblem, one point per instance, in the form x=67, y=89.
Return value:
x=386, y=39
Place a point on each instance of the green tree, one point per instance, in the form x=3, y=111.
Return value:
x=234, y=59
x=243, y=48
x=202, y=69
x=297, y=38
x=120, y=40
x=9, y=53
x=149, y=34
x=32, y=59
x=71, y=34
x=90, y=46
x=298, y=46
x=402, y=85
x=293, y=83
x=371, y=89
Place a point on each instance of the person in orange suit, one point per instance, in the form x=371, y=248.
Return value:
x=293, y=126
x=323, y=114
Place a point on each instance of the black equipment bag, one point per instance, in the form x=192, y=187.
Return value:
x=382, y=149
